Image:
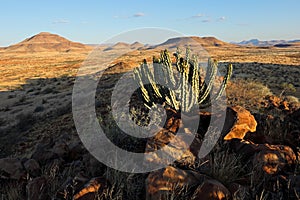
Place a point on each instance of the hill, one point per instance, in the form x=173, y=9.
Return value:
x=195, y=41
x=46, y=42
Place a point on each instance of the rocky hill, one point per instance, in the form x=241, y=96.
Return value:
x=194, y=40
x=46, y=42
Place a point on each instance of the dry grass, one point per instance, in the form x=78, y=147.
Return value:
x=247, y=93
x=17, y=68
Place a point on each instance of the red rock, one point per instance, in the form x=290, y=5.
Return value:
x=179, y=151
x=275, y=158
x=163, y=182
x=244, y=122
x=93, y=188
x=284, y=105
x=274, y=101
x=211, y=190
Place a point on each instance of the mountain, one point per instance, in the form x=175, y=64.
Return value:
x=118, y=46
x=123, y=45
x=136, y=45
x=267, y=43
x=195, y=41
x=46, y=42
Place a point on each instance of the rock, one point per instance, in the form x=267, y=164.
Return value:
x=263, y=127
x=92, y=189
x=11, y=168
x=275, y=158
x=244, y=122
x=61, y=149
x=32, y=167
x=37, y=189
x=245, y=148
x=163, y=182
x=180, y=151
x=274, y=100
x=284, y=105
x=271, y=158
x=211, y=190
x=43, y=156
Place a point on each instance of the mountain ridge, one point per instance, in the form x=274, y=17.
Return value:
x=257, y=42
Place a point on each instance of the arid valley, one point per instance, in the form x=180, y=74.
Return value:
x=257, y=155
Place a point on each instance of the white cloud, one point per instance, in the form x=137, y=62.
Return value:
x=198, y=16
x=61, y=21
x=223, y=18
x=139, y=14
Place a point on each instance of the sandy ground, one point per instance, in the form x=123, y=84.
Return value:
x=37, y=87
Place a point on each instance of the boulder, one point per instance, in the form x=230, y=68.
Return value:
x=163, y=182
x=274, y=158
x=211, y=190
x=92, y=189
x=43, y=156
x=179, y=151
x=270, y=158
x=243, y=122
x=11, y=168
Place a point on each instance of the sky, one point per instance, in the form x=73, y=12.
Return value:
x=93, y=22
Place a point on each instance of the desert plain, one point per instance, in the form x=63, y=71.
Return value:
x=42, y=157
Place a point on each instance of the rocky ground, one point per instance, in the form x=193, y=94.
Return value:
x=256, y=157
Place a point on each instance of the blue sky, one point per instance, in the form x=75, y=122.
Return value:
x=96, y=21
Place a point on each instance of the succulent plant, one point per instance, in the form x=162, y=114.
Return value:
x=179, y=89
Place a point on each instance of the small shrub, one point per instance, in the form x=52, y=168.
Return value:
x=226, y=167
x=247, y=93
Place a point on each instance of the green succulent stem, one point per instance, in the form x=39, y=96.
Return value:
x=181, y=89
